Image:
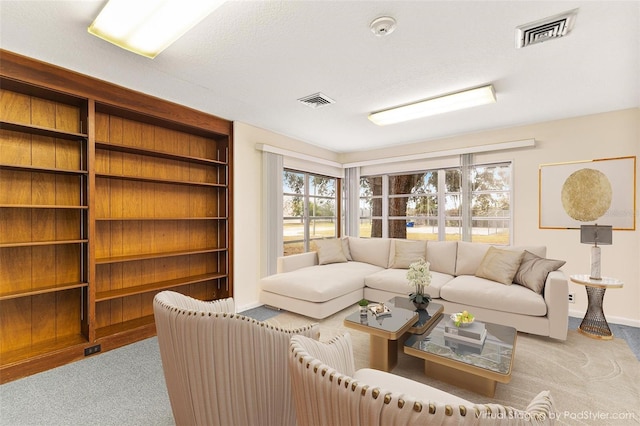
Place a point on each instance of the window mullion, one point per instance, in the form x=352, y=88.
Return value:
x=465, y=193
x=305, y=214
x=442, y=200
x=385, y=206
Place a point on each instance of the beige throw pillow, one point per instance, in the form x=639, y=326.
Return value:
x=407, y=252
x=533, y=271
x=500, y=265
x=330, y=251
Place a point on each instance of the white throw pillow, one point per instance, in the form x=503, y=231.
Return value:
x=406, y=252
x=330, y=251
x=500, y=265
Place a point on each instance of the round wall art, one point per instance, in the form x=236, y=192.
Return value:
x=586, y=194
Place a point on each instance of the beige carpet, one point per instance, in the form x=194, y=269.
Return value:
x=593, y=382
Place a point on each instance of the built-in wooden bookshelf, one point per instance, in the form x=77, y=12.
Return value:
x=107, y=196
x=161, y=216
x=43, y=222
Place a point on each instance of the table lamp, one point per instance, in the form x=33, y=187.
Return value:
x=596, y=234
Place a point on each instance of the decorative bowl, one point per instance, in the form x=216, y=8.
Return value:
x=456, y=319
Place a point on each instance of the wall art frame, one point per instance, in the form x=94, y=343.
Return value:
x=604, y=187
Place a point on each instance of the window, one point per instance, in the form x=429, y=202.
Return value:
x=310, y=210
x=371, y=206
x=430, y=205
x=491, y=203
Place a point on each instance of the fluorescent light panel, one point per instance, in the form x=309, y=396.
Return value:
x=439, y=105
x=147, y=27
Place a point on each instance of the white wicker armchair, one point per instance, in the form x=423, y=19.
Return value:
x=328, y=391
x=222, y=368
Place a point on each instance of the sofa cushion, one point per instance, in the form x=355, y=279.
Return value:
x=442, y=256
x=330, y=251
x=474, y=291
x=469, y=257
x=320, y=283
x=345, y=247
x=500, y=265
x=395, y=281
x=537, y=250
x=404, y=252
x=370, y=250
x=533, y=271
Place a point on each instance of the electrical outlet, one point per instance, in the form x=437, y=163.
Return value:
x=92, y=350
x=572, y=298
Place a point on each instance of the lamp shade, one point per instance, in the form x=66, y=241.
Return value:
x=596, y=234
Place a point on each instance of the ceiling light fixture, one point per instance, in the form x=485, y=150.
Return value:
x=148, y=27
x=438, y=105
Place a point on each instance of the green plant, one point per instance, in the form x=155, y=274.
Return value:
x=363, y=302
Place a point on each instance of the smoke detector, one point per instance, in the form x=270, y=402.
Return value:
x=316, y=100
x=545, y=29
x=383, y=26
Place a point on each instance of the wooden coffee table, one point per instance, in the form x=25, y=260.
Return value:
x=385, y=332
x=473, y=367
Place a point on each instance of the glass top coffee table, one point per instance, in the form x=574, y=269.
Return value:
x=384, y=332
x=471, y=366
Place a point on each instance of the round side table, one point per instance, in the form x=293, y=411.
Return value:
x=594, y=324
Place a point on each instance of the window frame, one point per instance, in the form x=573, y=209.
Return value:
x=466, y=194
x=306, y=217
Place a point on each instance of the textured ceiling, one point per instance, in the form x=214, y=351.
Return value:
x=250, y=61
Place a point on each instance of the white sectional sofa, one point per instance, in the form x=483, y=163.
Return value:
x=472, y=276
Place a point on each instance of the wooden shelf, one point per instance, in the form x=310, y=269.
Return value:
x=43, y=290
x=162, y=285
x=123, y=327
x=41, y=131
x=159, y=180
x=28, y=168
x=50, y=313
x=43, y=243
x=158, y=154
x=133, y=258
x=41, y=206
x=111, y=219
x=39, y=349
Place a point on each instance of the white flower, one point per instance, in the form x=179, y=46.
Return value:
x=419, y=274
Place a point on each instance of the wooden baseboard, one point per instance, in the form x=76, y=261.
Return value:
x=38, y=364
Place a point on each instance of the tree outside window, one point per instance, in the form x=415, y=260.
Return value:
x=430, y=205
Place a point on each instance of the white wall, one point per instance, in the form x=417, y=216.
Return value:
x=604, y=135
x=247, y=198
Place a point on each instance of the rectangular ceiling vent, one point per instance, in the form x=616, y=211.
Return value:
x=545, y=29
x=316, y=100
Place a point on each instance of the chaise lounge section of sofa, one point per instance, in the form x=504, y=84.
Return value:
x=515, y=286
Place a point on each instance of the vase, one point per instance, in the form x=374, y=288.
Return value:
x=363, y=311
x=419, y=295
x=421, y=306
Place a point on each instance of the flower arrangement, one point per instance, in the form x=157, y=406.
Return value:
x=419, y=276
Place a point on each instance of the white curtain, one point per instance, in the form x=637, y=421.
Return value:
x=272, y=168
x=352, y=201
